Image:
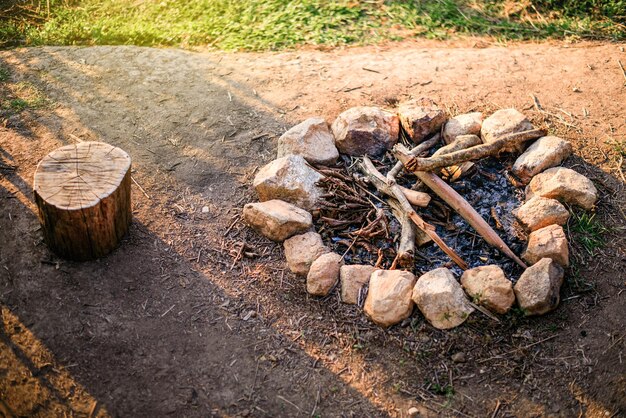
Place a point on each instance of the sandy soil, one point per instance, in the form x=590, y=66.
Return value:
x=169, y=325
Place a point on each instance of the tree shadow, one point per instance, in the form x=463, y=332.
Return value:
x=142, y=329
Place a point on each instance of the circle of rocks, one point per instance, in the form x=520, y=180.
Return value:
x=288, y=191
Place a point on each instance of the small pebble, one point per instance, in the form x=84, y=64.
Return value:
x=413, y=412
x=458, y=357
x=205, y=209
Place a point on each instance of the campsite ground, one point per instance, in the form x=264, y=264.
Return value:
x=168, y=324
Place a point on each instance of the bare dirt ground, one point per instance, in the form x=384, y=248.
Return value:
x=169, y=325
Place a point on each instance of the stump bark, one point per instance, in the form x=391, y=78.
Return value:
x=83, y=195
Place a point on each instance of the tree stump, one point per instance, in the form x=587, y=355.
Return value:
x=83, y=195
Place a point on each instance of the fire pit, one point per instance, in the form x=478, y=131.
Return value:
x=396, y=207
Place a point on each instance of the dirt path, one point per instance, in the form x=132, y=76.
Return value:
x=168, y=325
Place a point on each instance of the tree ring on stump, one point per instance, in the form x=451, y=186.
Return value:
x=82, y=192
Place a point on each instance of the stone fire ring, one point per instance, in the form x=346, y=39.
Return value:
x=287, y=189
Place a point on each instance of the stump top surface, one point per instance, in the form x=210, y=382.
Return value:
x=81, y=175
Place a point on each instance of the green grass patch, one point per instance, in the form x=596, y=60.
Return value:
x=588, y=231
x=280, y=24
x=4, y=75
x=17, y=97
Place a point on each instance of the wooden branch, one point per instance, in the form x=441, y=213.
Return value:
x=406, y=245
x=424, y=146
x=474, y=153
x=392, y=190
x=414, y=197
x=463, y=208
x=461, y=142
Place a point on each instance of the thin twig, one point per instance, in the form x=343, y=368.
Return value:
x=317, y=400
x=518, y=349
x=622, y=68
x=282, y=398
x=140, y=188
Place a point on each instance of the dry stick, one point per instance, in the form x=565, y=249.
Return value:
x=406, y=246
x=559, y=119
x=424, y=146
x=415, y=198
x=473, y=153
x=140, y=188
x=460, y=205
x=392, y=190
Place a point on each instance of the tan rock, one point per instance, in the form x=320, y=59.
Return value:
x=324, y=274
x=547, y=242
x=441, y=299
x=302, y=250
x=312, y=140
x=564, y=185
x=353, y=278
x=389, y=298
x=502, y=122
x=277, y=220
x=546, y=152
x=466, y=124
x=540, y=212
x=365, y=131
x=291, y=179
x=420, y=118
x=538, y=288
x=489, y=287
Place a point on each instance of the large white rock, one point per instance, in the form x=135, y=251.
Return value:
x=277, y=220
x=291, y=179
x=302, y=250
x=546, y=152
x=564, y=185
x=466, y=124
x=489, y=287
x=502, y=122
x=365, y=131
x=323, y=274
x=548, y=242
x=389, y=297
x=312, y=140
x=441, y=299
x=420, y=118
x=538, y=288
x=353, y=278
x=540, y=212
